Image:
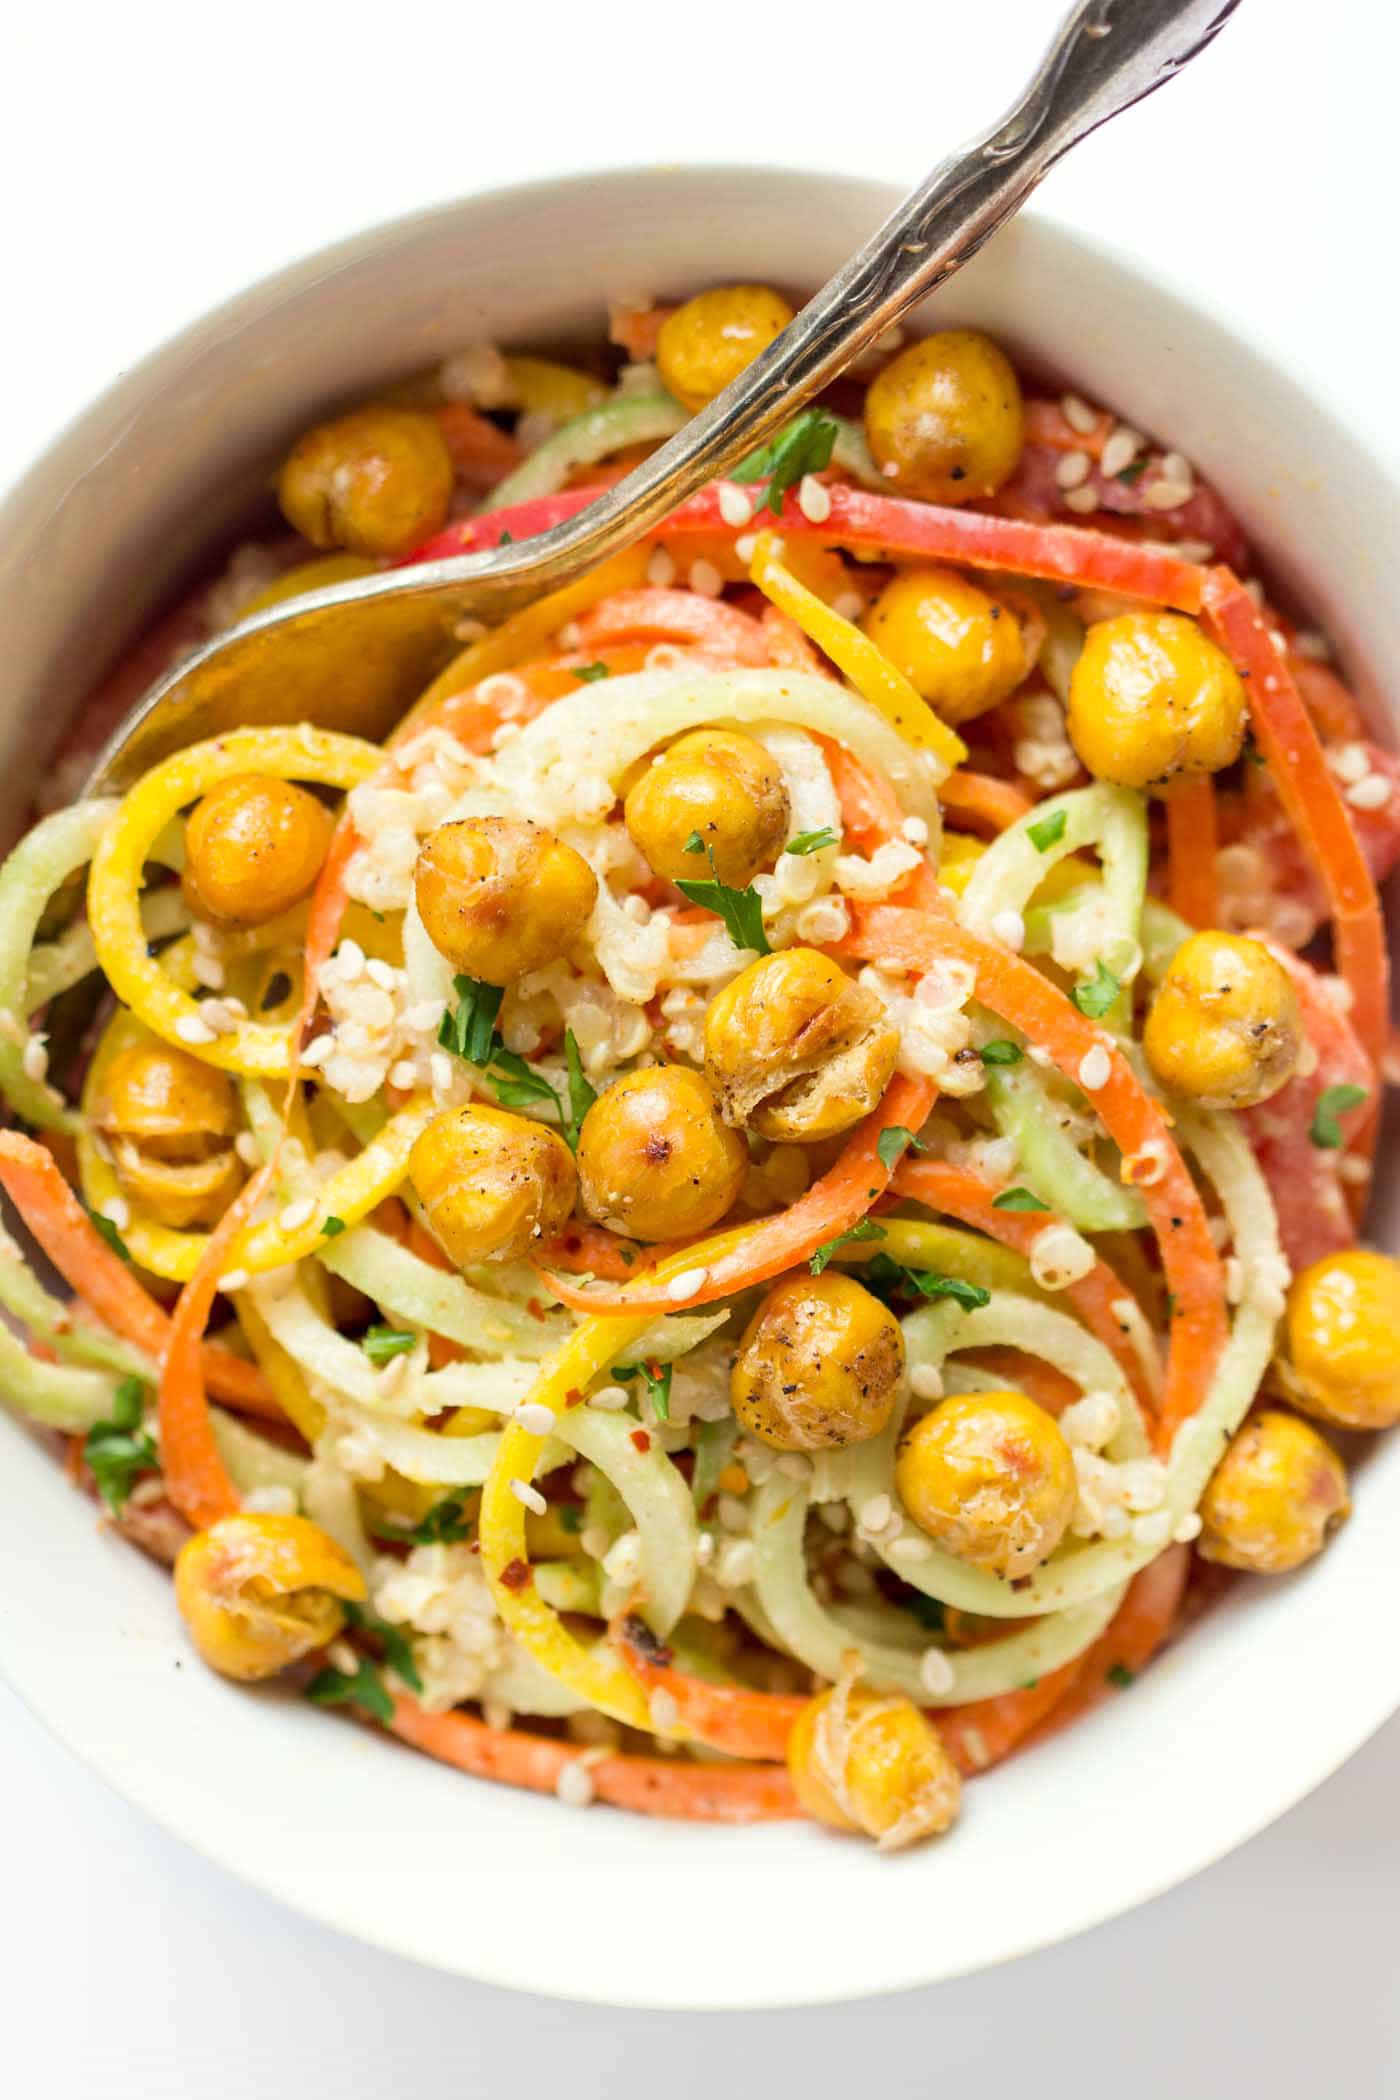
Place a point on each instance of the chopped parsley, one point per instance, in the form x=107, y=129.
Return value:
x=929, y=1284
x=1001, y=1052
x=398, y=1650
x=893, y=1142
x=803, y=446
x=1049, y=831
x=1119, y=1674
x=582, y=1094
x=694, y=844
x=570, y=1516
x=469, y=1031
x=119, y=1449
x=658, y=1384
x=363, y=1688
x=927, y=1610
x=1018, y=1199
x=381, y=1344
x=332, y=1227
x=813, y=841
x=1332, y=1102
x=867, y=1229
x=1132, y=472
x=446, y=1524
x=1095, y=997
x=588, y=674
x=105, y=1229
x=741, y=910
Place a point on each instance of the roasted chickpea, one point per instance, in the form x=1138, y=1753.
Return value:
x=1343, y=1339
x=1223, y=1028
x=873, y=1765
x=710, y=340
x=960, y=648
x=655, y=1161
x=991, y=1478
x=1152, y=699
x=493, y=1185
x=170, y=1120
x=259, y=1592
x=716, y=784
x=796, y=1049
x=944, y=418
x=1275, y=1498
x=253, y=847
x=377, y=481
x=500, y=897
x=819, y=1365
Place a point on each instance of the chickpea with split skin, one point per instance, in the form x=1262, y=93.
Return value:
x=961, y=649
x=990, y=1477
x=500, y=897
x=260, y=1592
x=1224, y=1028
x=170, y=1121
x=376, y=482
x=1342, y=1340
x=254, y=846
x=873, y=1765
x=1153, y=700
x=819, y=1366
x=716, y=785
x=944, y=419
x=492, y=1185
x=655, y=1160
x=797, y=1050
x=1275, y=1498
x=712, y=338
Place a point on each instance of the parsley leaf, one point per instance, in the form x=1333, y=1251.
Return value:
x=446, y=1524
x=927, y=1610
x=582, y=1094
x=694, y=844
x=929, y=1284
x=1332, y=1102
x=741, y=910
x=803, y=446
x=1048, y=831
x=867, y=1229
x=893, y=1142
x=398, y=1650
x=332, y=1227
x=570, y=1517
x=106, y=1230
x=517, y=1084
x=813, y=841
x=1133, y=472
x=1001, y=1052
x=1018, y=1199
x=1121, y=1675
x=118, y=1449
x=588, y=674
x=1095, y=998
x=380, y=1344
x=469, y=1029
x=365, y=1688
x=658, y=1384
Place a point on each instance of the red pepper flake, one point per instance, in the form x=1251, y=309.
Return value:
x=536, y=1310
x=573, y=1398
x=515, y=1574
x=641, y=1439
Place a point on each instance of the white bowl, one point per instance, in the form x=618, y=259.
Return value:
x=1263, y=1700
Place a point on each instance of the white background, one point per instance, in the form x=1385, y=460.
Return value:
x=153, y=158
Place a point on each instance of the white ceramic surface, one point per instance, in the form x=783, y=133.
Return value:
x=1266, y=1698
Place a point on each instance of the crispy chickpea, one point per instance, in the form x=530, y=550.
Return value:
x=493, y=1185
x=1223, y=1028
x=795, y=1049
x=500, y=897
x=170, y=1121
x=944, y=418
x=1152, y=699
x=1275, y=1498
x=819, y=1365
x=710, y=340
x=1343, y=1339
x=719, y=785
x=253, y=847
x=655, y=1161
x=259, y=1592
x=991, y=1478
x=873, y=1765
x=960, y=648
x=377, y=481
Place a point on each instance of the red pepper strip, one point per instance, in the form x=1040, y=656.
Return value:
x=1018, y=992
x=1058, y=553
x=965, y=1195
x=196, y=1478
x=1313, y=801
x=1191, y=841
x=675, y=616
x=749, y=1254
x=649, y=1786
x=586, y=1249
x=982, y=797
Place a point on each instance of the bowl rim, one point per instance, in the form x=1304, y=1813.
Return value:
x=1343, y=430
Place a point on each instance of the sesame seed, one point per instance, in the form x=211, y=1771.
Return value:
x=192, y=1030
x=440, y=1066
x=1082, y=499
x=813, y=499
x=1078, y=414
x=1095, y=1068
x=936, y=1673
x=1189, y=1528
x=381, y=973
x=570, y=635
x=705, y=578
x=1165, y=494
x=295, y=1215
x=686, y=1284
x=35, y=1059
x=911, y=1547
x=746, y=546
x=574, y=1784
x=208, y=971
x=318, y=1051
x=218, y=1017
x=609, y=1397
x=661, y=570
x=534, y=1417
x=1177, y=467
x=1349, y=761
x=926, y=1382
x=875, y=1513
x=915, y=830
x=403, y=1074
x=734, y=506
x=1072, y=469
x=233, y=1280
x=848, y=605
x=1009, y=928
x=1371, y=792
x=350, y=960
x=1121, y=448
x=117, y=1211
x=246, y=1146
x=529, y=1497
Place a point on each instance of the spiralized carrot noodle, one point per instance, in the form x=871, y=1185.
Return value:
x=437, y=1208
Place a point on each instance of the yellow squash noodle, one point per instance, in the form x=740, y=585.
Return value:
x=349, y=1194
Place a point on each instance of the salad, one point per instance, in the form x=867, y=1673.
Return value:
x=751, y=1213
